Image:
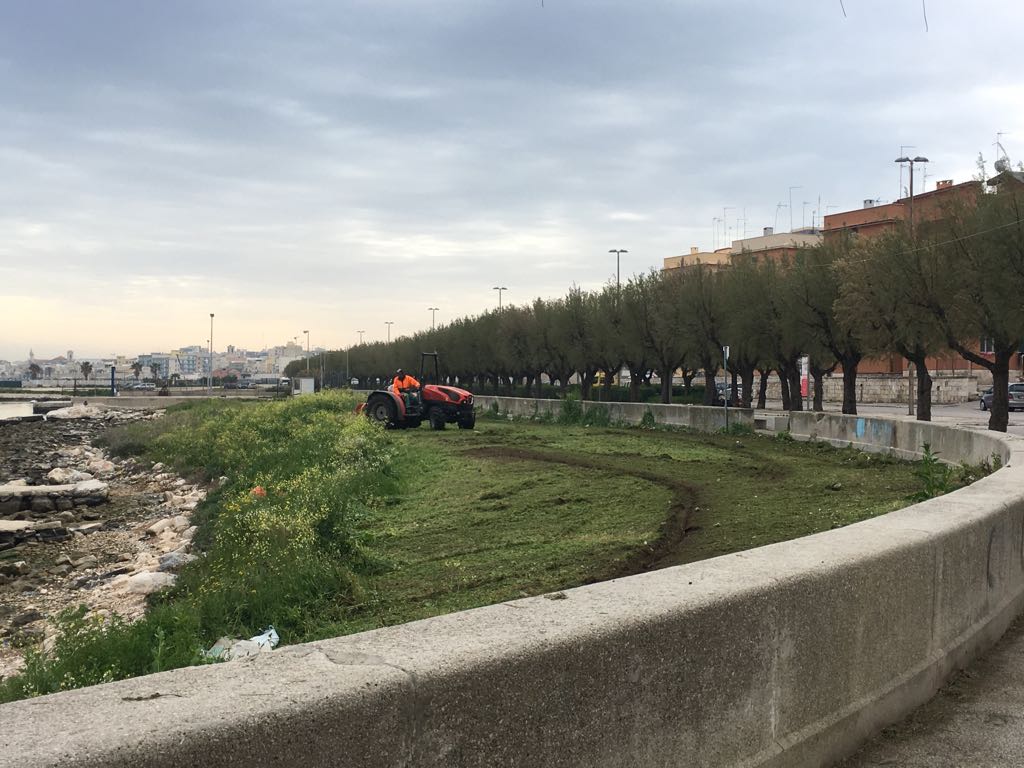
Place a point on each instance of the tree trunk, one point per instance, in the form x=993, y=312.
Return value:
x=762, y=387
x=635, y=378
x=607, y=386
x=787, y=403
x=924, y=389
x=666, y=383
x=796, y=396
x=710, y=390
x=850, y=384
x=540, y=385
x=687, y=380
x=999, y=417
x=819, y=389
x=748, y=386
x=586, y=382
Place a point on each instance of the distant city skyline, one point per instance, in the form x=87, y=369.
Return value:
x=336, y=166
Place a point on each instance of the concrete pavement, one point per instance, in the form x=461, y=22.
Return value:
x=976, y=720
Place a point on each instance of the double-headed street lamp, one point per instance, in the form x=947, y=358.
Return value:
x=433, y=315
x=618, y=253
x=360, y=337
x=911, y=162
x=389, y=323
x=499, y=289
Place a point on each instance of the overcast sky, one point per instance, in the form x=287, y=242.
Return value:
x=333, y=164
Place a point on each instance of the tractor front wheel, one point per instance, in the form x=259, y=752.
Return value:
x=467, y=422
x=437, y=420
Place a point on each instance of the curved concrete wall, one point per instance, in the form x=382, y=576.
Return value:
x=786, y=655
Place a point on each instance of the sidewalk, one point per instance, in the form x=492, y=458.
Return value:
x=975, y=721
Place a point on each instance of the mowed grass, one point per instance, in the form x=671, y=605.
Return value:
x=516, y=508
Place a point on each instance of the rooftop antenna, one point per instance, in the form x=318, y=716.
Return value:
x=1002, y=162
x=777, y=206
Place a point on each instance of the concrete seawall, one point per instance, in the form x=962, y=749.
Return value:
x=785, y=655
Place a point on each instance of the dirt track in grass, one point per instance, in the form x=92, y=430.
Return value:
x=661, y=553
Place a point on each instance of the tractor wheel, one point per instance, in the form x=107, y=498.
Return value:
x=381, y=410
x=467, y=422
x=437, y=420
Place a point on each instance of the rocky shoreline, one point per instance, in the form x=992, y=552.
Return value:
x=80, y=527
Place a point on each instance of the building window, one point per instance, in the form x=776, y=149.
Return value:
x=988, y=347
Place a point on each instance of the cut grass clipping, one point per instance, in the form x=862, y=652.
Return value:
x=362, y=528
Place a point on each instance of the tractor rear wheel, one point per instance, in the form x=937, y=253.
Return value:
x=382, y=410
x=437, y=420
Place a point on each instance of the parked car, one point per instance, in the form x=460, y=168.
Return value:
x=1016, y=398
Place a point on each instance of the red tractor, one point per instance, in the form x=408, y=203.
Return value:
x=435, y=403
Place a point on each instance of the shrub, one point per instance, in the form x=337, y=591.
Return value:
x=571, y=411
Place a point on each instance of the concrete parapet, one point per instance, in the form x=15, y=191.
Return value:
x=785, y=655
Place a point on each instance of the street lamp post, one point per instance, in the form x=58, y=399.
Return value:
x=618, y=253
x=307, y=351
x=389, y=323
x=360, y=337
x=911, y=162
x=499, y=289
x=910, y=366
x=209, y=378
x=433, y=315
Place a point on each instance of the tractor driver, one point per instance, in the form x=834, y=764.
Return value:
x=404, y=383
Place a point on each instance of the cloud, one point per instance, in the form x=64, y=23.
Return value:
x=336, y=165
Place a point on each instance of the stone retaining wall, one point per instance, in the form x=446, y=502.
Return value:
x=784, y=655
x=880, y=388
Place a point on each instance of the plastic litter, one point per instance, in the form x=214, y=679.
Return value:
x=228, y=648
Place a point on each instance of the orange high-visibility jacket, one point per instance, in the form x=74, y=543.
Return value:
x=406, y=382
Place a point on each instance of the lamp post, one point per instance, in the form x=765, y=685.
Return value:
x=618, y=253
x=389, y=323
x=307, y=351
x=209, y=378
x=910, y=366
x=360, y=337
x=499, y=289
x=911, y=162
x=433, y=315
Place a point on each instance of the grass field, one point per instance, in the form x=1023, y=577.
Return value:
x=513, y=509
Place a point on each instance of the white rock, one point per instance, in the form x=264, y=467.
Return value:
x=189, y=533
x=159, y=526
x=158, y=466
x=91, y=488
x=180, y=523
x=101, y=466
x=76, y=412
x=148, y=582
x=64, y=476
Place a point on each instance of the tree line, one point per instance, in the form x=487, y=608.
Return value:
x=917, y=294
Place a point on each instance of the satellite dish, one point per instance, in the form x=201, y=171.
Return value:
x=1002, y=164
